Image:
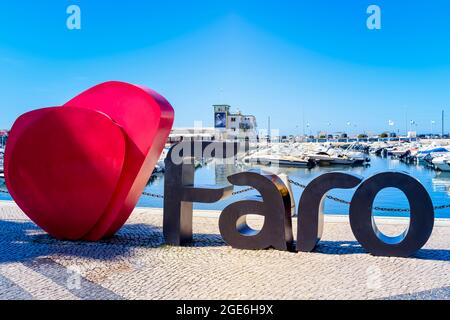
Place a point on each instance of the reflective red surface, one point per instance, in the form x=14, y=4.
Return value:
x=78, y=170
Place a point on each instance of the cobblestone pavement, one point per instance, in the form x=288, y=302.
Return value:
x=137, y=265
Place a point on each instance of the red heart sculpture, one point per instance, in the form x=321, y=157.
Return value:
x=78, y=170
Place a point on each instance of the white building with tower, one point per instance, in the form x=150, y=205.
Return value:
x=234, y=125
x=228, y=125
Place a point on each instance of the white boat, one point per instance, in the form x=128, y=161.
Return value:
x=325, y=158
x=442, y=163
x=400, y=152
x=434, y=155
x=280, y=160
x=306, y=155
x=424, y=152
x=357, y=156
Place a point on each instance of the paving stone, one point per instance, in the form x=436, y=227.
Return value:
x=136, y=264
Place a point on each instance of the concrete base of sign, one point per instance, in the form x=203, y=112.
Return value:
x=136, y=264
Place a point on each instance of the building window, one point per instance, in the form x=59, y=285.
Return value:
x=233, y=119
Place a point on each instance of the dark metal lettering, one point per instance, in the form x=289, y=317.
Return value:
x=421, y=216
x=274, y=204
x=311, y=206
x=180, y=191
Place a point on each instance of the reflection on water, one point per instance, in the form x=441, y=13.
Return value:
x=441, y=182
x=436, y=183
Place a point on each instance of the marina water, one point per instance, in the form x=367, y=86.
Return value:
x=437, y=184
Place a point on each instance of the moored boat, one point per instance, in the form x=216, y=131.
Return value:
x=324, y=159
x=442, y=163
x=285, y=161
x=422, y=153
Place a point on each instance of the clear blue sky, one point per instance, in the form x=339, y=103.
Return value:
x=280, y=58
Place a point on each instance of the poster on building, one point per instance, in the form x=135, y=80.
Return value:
x=220, y=120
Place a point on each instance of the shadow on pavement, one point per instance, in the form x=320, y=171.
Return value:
x=353, y=247
x=22, y=241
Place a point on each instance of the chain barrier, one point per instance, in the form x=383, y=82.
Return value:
x=297, y=184
x=335, y=199
x=441, y=207
x=242, y=191
x=153, y=195
x=160, y=196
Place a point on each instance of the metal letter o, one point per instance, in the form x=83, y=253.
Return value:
x=421, y=218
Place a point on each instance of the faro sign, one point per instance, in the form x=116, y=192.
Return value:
x=275, y=206
x=78, y=171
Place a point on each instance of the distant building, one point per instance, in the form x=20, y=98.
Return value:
x=412, y=134
x=227, y=126
x=234, y=125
